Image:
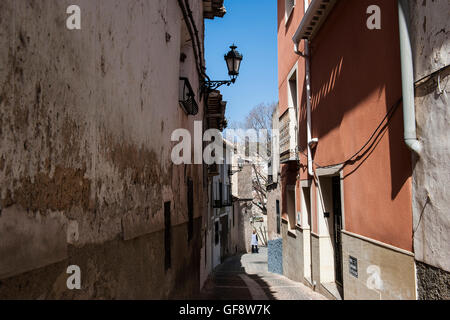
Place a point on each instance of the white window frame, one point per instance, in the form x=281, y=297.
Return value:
x=306, y=5
x=293, y=106
x=291, y=102
x=287, y=14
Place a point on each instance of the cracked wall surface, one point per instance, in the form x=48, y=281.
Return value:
x=85, y=123
x=431, y=204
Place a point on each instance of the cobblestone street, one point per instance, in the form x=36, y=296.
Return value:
x=245, y=277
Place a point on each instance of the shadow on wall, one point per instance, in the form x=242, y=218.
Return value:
x=353, y=73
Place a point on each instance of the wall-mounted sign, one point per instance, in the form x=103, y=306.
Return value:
x=353, y=266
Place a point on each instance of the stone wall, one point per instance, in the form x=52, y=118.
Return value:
x=432, y=283
x=86, y=118
x=273, y=194
x=292, y=253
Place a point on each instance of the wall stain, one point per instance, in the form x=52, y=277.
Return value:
x=67, y=188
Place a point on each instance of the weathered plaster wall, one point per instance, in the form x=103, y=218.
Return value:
x=234, y=216
x=431, y=51
x=273, y=194
x=245, y=227
x=85, y=124
x=429, y=29
x=117, y=269
x=430, y=36
x=292, y=252
x=383, y=272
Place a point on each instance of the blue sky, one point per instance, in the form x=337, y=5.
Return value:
x=252, y=26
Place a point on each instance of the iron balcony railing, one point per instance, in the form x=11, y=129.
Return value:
x=187, y=97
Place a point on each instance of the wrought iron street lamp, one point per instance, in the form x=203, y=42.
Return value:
x=233, y=59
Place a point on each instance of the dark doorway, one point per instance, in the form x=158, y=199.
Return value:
x=224, y=239
x=337, y=210
x=278, y=217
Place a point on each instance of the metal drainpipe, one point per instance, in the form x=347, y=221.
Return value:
x=409, y=113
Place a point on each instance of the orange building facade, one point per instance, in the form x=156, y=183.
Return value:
x=345, y=168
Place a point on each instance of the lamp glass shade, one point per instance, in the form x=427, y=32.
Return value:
x=230, y=66
x=233, y=59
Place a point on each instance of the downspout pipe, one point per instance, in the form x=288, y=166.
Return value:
x=306, y=55
x=409, y=113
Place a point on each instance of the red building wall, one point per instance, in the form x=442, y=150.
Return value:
x=355, y=75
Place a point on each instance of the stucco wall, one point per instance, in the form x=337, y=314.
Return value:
x=286, y=30
x=431, y=51
x=353, y=87
x=273, y=194
x=292, y=253
x=430, y=32
x=85, y=122
x=383, y=272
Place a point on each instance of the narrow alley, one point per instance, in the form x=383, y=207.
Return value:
x=147, y=147
x=245, y=277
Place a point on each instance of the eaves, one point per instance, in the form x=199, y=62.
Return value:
x=313, y=19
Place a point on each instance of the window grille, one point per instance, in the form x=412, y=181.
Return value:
x=187, y=97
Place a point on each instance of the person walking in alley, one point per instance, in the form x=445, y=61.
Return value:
x=254, y=242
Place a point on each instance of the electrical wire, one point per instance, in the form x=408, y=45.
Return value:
x=387, y=118
x=194, y=34
x=188, y=22
x=199, y=46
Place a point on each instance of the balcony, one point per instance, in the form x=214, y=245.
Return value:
x=213, y=8
x=215, y=111
x=288, y=137
x=187, y=97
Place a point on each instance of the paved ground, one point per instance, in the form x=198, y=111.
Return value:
x=246, y=277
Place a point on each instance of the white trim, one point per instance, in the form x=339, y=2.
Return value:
x=287, y=14
x=330, y=171
x=293, y=70
x=306, y=183
x=293, y=108
x=306, y=2
x=315, y=16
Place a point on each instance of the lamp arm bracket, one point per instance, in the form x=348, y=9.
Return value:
x=213, y=85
